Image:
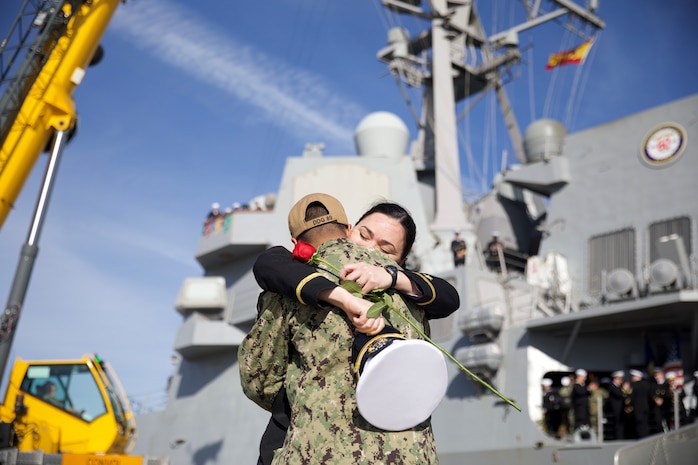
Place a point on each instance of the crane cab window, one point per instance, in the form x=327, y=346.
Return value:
x=70, y=387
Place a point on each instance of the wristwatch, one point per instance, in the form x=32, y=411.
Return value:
x=392, y=270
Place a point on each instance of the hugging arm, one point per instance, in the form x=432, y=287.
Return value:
x=276, y=270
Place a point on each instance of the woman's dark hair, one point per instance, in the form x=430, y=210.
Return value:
x=398, y=213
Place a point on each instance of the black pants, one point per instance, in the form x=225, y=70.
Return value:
x=275, y=434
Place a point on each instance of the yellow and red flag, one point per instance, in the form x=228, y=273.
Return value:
x=570, y=57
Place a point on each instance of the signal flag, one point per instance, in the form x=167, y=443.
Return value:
x=570, y=57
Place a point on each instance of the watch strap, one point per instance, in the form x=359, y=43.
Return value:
x=392, y=269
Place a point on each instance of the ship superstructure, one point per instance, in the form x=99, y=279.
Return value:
x=597, y=261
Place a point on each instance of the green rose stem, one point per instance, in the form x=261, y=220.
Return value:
x=445, y=352
x=381, y=303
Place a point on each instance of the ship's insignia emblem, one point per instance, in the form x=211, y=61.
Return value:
x=663, y=144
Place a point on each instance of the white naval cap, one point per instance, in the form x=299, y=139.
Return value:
x=402, y=385
x=565, y=381
x=618, y=374
x=637, y=373
x=580, y=372
x=547, y=382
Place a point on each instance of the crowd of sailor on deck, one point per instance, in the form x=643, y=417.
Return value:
x=218, y=218
x=581, y=406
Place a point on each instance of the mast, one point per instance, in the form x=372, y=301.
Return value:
x=452, y=61
x=449, y=214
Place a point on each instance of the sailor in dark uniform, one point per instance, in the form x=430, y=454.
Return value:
x=640, y=400
x=660, y=408
x=552, y=409
x=616, y=399
x=580, y=400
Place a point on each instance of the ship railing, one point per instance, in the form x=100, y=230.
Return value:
x=148, y=402
x=678, y=419
x=677, y=447
x=506, y=260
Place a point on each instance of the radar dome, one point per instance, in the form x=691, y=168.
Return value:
x=381, y=134
x=543, y=139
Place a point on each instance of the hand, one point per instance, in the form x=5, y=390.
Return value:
x=369, y=277
x=356, y=309
x=370, y=326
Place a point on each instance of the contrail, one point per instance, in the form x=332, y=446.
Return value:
x=294, y=99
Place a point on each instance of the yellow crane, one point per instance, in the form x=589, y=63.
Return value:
x=71, y=412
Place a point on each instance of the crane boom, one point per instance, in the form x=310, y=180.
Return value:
x=39, y=99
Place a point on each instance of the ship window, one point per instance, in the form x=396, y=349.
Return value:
x=680, y=226
x=608, y=252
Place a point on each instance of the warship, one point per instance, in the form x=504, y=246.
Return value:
x=596, y=262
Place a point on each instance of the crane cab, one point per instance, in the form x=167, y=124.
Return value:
x=74, y=406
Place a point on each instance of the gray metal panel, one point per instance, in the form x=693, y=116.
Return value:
x=612, y=189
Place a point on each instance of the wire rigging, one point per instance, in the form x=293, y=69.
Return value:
x=531, y=87
x=571, y=99
x=585, y=78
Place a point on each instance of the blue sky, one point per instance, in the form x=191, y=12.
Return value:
x=196, y=102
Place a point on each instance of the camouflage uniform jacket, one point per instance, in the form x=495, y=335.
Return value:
x=308, y=351
x=594, y=403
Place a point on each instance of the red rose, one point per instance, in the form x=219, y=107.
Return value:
x=303, y=252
